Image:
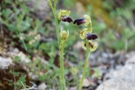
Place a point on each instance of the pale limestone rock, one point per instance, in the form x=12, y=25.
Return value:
x=23, y=57
x=42, y=86
x=39, y=7
x=5, y=62
x=123, y=79
x=86, y=83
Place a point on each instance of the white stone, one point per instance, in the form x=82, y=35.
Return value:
x=42, y=86
x=123, y=79
x=23, y=57
x=5, y=62
x=39, y=7
x=86, y=83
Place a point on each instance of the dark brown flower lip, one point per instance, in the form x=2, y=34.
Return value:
x=66, y=19
x=79, y=21
x=91, y=36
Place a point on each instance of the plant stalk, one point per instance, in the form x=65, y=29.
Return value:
x=60, y=43
x=56, y=22
x=61, y=49
x=85, y=67
x=62, y=79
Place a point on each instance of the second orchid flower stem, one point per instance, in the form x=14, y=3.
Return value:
x=85, y=66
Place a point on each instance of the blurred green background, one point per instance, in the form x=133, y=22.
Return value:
x=29, y=26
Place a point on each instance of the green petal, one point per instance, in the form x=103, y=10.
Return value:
x=94, y=44
x=83, y=45
x=63, y=13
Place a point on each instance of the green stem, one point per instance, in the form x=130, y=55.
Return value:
x=61, y=46
x=56, y=22
x=85, y=68
x=62, y=79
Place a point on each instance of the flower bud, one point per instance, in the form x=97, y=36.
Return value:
x=64, y=34
x=50, y=3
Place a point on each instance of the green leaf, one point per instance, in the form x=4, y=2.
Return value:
x=24, y=25
x=6, y=13
x=12, y=27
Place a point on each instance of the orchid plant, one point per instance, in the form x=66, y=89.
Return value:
x=86, y=35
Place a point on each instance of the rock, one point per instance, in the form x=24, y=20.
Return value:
x=5, y=62
x=23, y=57
x=72, y=88
x=42, y=86
x=78, y=48
x=39, y=7
x=123, y=79
x=86, y=83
